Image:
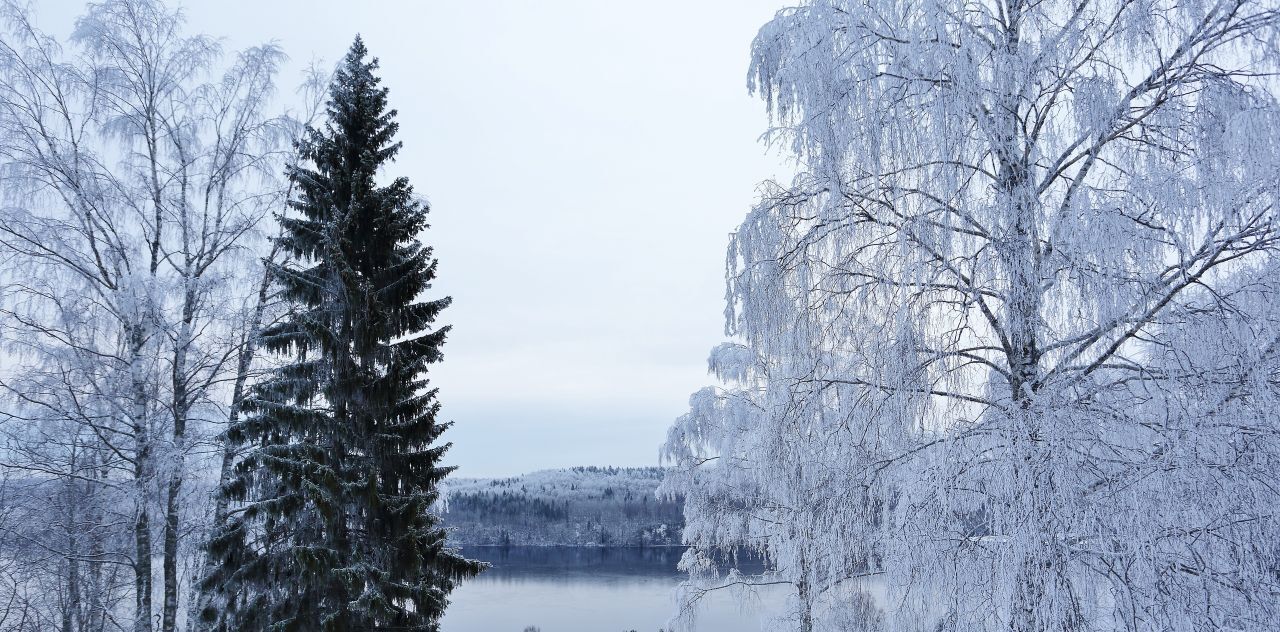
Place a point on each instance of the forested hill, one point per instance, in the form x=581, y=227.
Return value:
x=586, y=506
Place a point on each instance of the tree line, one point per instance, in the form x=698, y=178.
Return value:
x=581, y=506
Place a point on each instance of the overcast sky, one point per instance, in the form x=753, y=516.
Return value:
x=585, y=163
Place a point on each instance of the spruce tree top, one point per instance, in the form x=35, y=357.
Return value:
x=373, y=229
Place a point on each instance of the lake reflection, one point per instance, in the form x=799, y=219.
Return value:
x=581, y=589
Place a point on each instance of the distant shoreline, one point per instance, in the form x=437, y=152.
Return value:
x=588, y=507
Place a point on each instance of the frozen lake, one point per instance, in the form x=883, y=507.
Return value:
x=579, y=589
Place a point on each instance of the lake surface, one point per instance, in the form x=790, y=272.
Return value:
x=583, y=589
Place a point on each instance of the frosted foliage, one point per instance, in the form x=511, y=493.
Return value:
x=138, y=166
x=1006, y=350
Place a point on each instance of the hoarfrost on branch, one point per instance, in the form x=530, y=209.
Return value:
x=1005, y=352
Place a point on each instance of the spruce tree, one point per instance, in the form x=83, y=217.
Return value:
x=335, y=530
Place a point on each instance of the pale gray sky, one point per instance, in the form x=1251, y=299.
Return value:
x=585, y=162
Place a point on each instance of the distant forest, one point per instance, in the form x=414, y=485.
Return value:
x=582, y=506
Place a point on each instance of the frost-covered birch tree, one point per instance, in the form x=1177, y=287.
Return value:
x=137, y=167
x=1006, y=349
